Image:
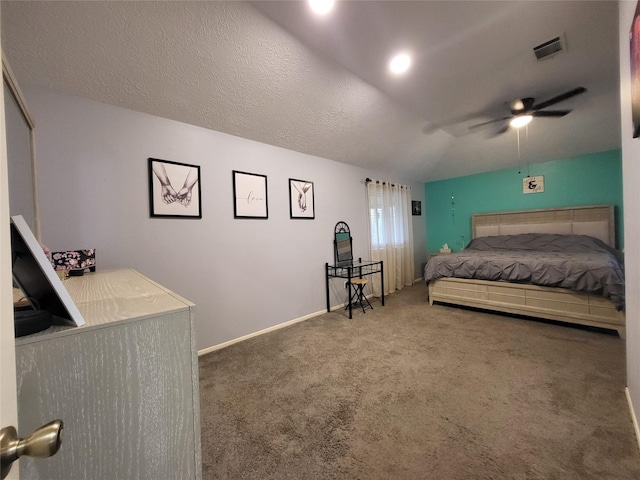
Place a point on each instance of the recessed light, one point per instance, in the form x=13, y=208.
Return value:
x=400, y=63
x=520, y=121
x=321, y=7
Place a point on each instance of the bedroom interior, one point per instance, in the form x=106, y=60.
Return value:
x=264, y=87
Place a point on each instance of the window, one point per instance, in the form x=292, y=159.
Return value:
x=391, y=230
x=381, y=234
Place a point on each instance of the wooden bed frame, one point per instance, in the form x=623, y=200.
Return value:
x=550, y=303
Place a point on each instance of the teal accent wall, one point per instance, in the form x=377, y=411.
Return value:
x=592, y=179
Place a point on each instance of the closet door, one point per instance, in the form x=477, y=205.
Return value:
x=20, y=159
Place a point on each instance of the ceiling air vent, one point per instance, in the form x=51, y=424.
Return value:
x=549, y=48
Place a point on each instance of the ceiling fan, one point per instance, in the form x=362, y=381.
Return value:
x=524, y=109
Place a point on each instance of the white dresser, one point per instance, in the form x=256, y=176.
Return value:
x=125, y=384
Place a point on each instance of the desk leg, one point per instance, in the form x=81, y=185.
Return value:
x=382, y=282
x=326, y=281
x=350, y=275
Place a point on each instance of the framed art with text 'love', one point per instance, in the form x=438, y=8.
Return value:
x=250, y=195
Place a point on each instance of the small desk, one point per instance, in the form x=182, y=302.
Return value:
x=354, y=270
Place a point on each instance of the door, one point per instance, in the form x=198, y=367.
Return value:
x=8, y=399
x=16, y=142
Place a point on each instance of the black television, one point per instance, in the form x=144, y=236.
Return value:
x=37, y=279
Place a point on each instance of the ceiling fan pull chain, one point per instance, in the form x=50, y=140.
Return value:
x=528, y=175
x=519, y=159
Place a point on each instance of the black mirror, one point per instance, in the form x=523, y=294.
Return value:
x=342, y=245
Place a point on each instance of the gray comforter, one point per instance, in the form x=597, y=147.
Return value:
x=577, y=262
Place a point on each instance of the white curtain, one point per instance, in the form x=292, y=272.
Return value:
x=391, y=230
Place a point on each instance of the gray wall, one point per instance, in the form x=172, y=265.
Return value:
x=631, y=180
x=243, y=275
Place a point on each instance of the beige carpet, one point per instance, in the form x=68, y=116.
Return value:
x=412, y=391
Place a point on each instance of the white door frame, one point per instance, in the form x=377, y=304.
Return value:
x=8, y=392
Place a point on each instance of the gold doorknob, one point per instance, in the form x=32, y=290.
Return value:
x=42, y=443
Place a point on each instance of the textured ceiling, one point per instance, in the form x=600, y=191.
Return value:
x=271, y=72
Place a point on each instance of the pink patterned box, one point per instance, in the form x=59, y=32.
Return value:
x=74, y=260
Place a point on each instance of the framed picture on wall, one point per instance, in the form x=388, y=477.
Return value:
x=250, y=195
x=634, y=49
x=533, y=184
x=174, y=189
x=416, y=207
x=301, y=199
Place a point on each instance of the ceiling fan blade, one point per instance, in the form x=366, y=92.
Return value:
x=472, y=127
x=550, y=113
x=560, y=98
x=503, y=129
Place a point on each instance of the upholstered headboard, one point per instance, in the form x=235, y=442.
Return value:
x=595, y=220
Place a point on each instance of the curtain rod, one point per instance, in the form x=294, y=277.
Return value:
x=368, y=180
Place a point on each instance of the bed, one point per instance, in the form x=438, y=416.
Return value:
x=524, y=289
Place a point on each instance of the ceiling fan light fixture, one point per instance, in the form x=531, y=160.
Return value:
x=321, y=7
x=400, y=63
x=520, y=121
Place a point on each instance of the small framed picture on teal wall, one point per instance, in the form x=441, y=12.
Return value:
x=533, y=184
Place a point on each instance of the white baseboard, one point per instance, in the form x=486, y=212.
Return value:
x=633, y=415
x=266, y=330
